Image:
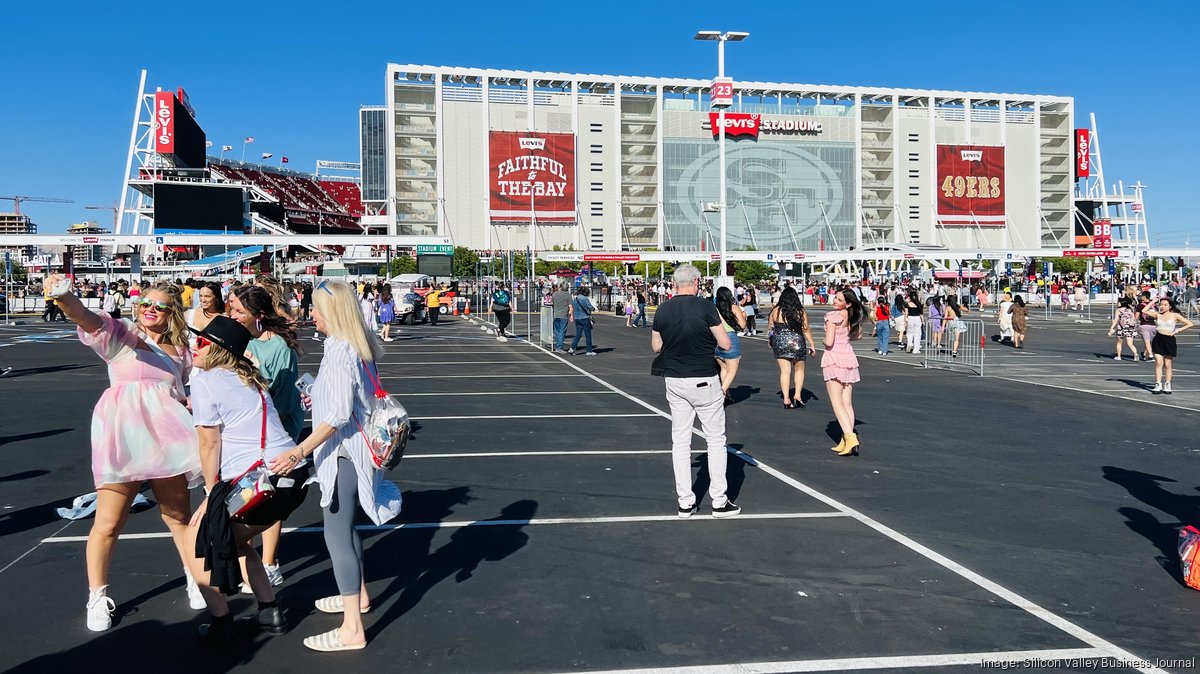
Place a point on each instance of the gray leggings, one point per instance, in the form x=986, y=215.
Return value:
x=345, y=546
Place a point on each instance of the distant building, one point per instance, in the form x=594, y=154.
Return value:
x=18, y=223
x=87, y=253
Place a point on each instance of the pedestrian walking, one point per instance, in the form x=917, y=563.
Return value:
x=1020, y=314
x=687, y=329
x=1004, y=318
x=750, y=308
x=387, y=313
x=1146, y=324
x=899, y=314
x=433, y=305
x=936, y=325
x=839, y=365
x=733, y=321
x=561, y=311
x=344, y=467
x=1124, y=327
x=141, y=431
x=912, y=328
x=582, y=308
x=641, y=309
x=792, y=342
x=883, y=326
x=955, y=324
x=501, y=308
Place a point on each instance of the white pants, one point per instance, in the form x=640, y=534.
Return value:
x=691, y=397
x=912, y=332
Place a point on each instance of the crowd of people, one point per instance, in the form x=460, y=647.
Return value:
x=205, y=391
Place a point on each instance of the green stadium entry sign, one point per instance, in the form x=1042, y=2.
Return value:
x=438, y=249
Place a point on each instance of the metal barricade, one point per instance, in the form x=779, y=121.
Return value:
x=954, y=345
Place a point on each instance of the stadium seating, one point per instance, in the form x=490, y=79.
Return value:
x=310, y=205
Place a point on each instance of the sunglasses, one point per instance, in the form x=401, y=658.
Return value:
x=322, y=286
x=160, y=306
x=202, y=342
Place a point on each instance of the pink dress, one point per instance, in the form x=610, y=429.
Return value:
x=140, y=430
x=839, y=362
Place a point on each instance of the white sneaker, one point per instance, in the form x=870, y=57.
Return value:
x=1158, y=387
x=195, y=599
x=1116, y=358
x=274, y=574
x=99, y=610
x=1167, y=388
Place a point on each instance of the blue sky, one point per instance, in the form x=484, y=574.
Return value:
x=294, y=74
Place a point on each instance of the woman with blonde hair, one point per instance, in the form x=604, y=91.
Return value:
x=345, y=469
x=141, y=431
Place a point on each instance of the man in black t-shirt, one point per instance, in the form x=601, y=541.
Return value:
x=687, y=330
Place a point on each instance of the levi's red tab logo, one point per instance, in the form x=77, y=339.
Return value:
x=736, y=124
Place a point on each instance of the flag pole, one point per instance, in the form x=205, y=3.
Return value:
x=243, y=150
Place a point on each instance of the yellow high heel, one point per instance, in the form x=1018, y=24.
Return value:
x=851, y=445
x=840, y=445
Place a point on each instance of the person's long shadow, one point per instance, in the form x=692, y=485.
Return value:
x=25, y=372
x=23, y=475
x=152, y=641
x=1147, y=488
x=834, y=430
x=6, y=439
x=25, y=519
x=735, y=475
x=486, y=540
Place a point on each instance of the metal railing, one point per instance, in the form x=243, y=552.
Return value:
x=957, y=346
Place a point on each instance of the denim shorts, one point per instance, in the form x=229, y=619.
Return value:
x=735, y=348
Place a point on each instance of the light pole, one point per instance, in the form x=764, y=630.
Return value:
x=721, y=38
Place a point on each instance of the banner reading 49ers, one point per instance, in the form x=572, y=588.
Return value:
x=970, y=185
x=532, y=171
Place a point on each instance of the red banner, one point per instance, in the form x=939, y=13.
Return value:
x=970, y=186
x=1083, y=147
x=736, y=124
x=532, y=171
x=164, y=122
x=1102, y=234
x=612, y=257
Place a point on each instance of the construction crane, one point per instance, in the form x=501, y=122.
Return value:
x=18, y=199
x=114, y=208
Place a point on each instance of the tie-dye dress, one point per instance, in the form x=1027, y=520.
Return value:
x=140, y=430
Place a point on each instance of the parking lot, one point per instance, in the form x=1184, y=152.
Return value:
x=1011, y=517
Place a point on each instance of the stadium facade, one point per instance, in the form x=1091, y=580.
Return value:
x=603, y=162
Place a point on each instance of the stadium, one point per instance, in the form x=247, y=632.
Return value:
x=810, y=168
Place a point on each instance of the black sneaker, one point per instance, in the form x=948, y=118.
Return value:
x=685, y=513
x=269, y=620
x=730, y=509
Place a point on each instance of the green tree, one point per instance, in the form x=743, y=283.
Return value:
x=464, y=262
x=1148, y=265
x=19, y=273
x=402, y=265
x=1068, y=265
x=753, y=271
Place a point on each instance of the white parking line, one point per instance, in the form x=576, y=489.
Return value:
x=507, y=393
x=1108, y=648
x=459, y=524
x=537, y=416
x=475, y=376
x=985, y=659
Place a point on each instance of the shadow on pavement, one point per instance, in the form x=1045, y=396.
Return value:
x=1147, y=488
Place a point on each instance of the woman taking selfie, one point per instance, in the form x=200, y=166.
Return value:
x=140, y=429
x=239, y=429
x=345, y=469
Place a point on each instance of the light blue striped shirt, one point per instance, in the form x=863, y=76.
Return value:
x=339, y=397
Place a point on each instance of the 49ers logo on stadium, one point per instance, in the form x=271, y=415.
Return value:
x=746, y=124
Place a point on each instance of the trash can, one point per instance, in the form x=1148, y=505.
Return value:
x=547, y=325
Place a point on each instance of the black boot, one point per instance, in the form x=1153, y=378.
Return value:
x=269, y=619
x=220, y=632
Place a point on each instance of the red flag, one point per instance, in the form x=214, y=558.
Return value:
x=284, y=159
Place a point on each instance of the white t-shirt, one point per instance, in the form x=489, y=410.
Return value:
x=219, y=398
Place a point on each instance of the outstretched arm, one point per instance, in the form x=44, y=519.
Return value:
x=73, y=308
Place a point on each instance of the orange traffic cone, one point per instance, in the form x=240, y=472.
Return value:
x=455, y=312
x=468, y=309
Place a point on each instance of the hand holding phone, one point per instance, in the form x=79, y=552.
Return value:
x=304, y=383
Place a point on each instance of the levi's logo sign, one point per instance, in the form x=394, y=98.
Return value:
x=736, y=124
x=972, y=155
x=532, y=143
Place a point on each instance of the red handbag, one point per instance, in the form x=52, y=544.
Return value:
x=252, y=488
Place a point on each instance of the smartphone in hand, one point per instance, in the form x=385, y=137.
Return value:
x=304, y=383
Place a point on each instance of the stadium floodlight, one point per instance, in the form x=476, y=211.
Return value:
x=707, y=35
x=736, y=36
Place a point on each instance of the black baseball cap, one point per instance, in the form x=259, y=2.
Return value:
x=227, y=334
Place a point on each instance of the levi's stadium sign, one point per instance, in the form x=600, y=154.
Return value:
x=746, y=124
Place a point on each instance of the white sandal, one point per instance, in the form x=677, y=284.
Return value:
x=328, y=642
x=334, y=605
